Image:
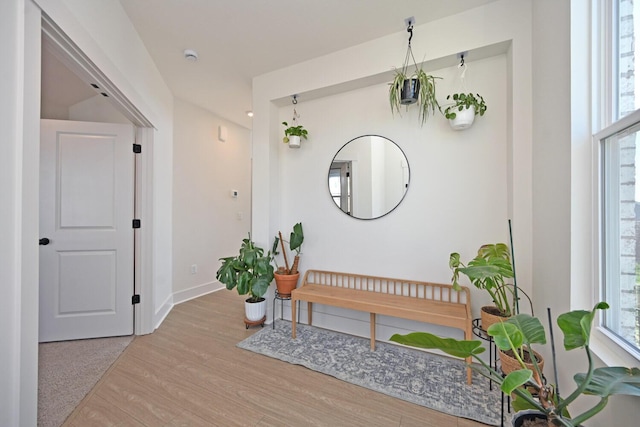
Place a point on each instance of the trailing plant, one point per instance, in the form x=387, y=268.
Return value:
x=250, y=272
x=427, y=102
x=464, y=101
x=294, y=131
x=488, y=271
x=576, y=327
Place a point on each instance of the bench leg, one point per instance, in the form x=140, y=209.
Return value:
x=372, y=320
x=309, y=309
x=293, y=318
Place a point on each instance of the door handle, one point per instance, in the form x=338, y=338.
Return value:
x=44, y=241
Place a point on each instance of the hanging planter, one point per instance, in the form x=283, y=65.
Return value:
x=293, y=134
x=411, y=85
x=462, y=113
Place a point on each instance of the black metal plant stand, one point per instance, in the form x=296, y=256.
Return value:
x=282, y=298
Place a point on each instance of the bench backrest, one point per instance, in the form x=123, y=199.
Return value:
x=408, y=288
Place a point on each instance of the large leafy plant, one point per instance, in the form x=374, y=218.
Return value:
x=488, y=271
x=250, y=272
x=576, y=327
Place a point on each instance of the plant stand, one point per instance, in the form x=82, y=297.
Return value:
x=493, y=362
x=260, y=322
x=282, y=299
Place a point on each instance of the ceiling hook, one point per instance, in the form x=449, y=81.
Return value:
x=462, y=60
x=410, y=31
x=294, y=99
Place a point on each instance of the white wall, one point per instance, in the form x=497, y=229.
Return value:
x=208, y=223
x=126, y=63
x=463, y=186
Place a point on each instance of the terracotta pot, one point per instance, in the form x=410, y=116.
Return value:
x=286, y=283
x=488, y=318
x=510, y=364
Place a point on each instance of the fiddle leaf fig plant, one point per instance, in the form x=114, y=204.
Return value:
x=250, y=272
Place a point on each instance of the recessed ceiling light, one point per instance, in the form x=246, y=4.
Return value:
x=190, y=55
x=250, y=113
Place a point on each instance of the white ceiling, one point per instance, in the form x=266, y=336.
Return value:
x=237, y=40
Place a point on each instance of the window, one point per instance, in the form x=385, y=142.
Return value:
x=619, y=145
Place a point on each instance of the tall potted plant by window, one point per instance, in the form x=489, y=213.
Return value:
x=250, y=273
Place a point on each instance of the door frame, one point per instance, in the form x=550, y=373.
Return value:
x=70, y=54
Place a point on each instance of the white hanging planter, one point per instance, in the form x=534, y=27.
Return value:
x=255, y=311
x=464, y=119
x=294, y=141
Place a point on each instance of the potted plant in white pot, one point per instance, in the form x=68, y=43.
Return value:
x=465, y=107
x=250, y=273
x=287, y=278
x=547, y=408
x=293, y=135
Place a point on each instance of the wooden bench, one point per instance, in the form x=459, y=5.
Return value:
x=434, y=303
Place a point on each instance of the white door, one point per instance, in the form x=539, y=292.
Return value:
x=86, y=213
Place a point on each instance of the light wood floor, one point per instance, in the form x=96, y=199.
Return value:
x=190, y=373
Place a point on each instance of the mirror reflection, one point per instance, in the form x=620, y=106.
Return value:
x=368, y=177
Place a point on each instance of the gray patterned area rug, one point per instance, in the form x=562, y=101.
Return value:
x=426, y=379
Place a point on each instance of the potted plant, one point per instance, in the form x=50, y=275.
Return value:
x=251, y=273
x=514, y=337
x=488, y=271
x=411, y=85
x=292, y=135
x=547, y=406
x=464, y=109
x=287, y=278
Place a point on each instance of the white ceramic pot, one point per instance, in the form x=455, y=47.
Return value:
x=255, y=311
x=294, y=141
x=464, y=119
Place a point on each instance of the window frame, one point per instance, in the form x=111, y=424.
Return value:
x=612, y=350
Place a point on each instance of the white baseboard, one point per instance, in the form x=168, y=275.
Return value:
x=162, y=312
x=195, y=292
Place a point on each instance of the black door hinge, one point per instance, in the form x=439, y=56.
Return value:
x=136, y=223
x=137, y=148
x=135, y=299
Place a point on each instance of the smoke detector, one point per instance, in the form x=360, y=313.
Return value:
x=190, y=55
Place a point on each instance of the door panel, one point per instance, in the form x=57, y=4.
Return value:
x=86, y=208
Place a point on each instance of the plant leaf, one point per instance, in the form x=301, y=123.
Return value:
x=506, y=336
x=453, y=347
x=515, y=379
x=576, y=326
x=608, y=381
x=531, y=327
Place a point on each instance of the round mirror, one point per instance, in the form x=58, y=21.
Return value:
x=368, y=177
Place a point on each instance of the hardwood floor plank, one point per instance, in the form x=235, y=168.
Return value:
x=190, y=373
